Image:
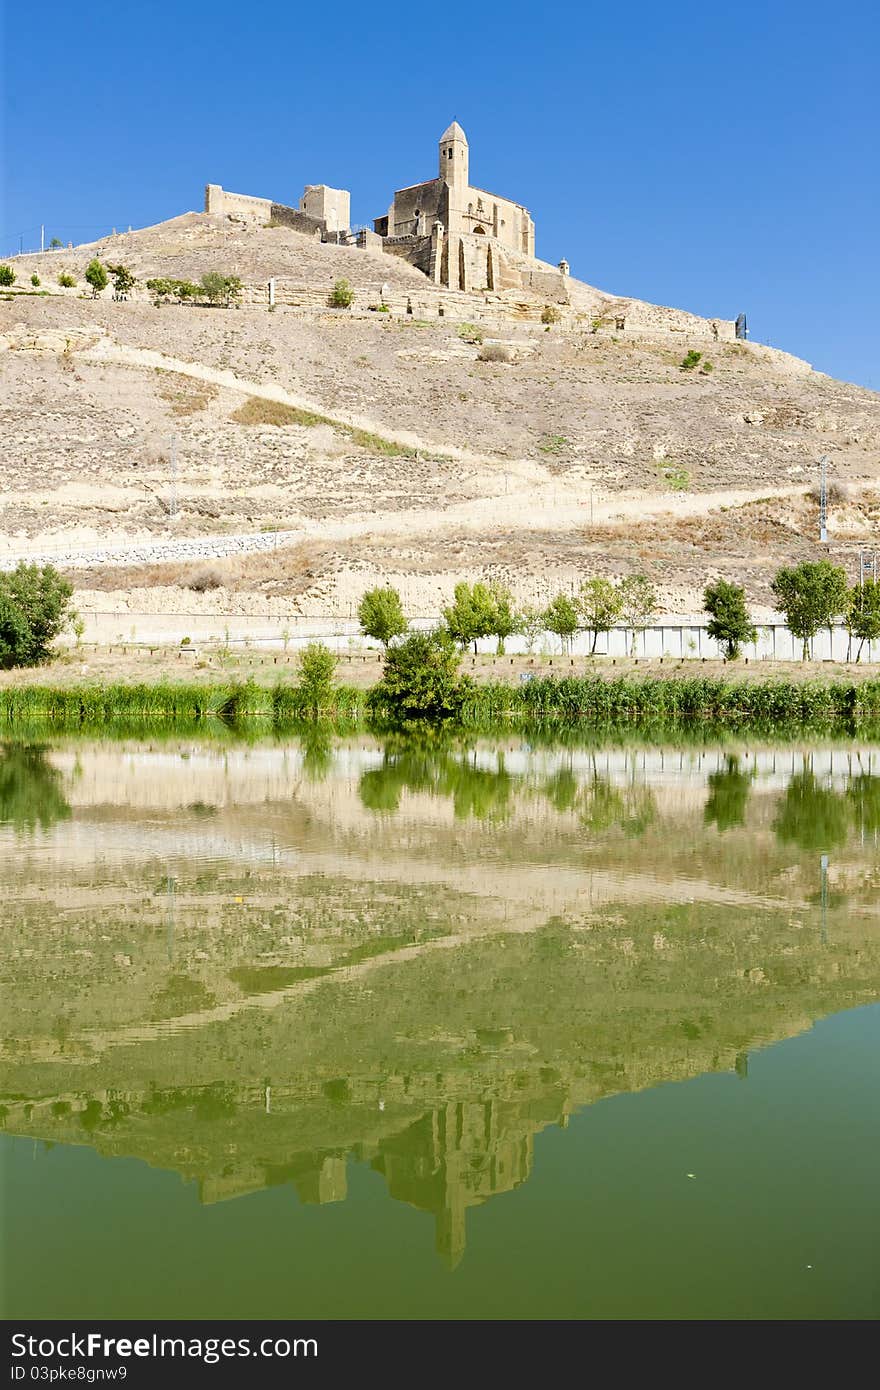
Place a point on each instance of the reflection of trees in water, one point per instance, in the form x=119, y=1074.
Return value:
x=477, y=792
x=317, y=750
x=729, y=790
x=30, y=788
x=485, y=793
x=814, y=816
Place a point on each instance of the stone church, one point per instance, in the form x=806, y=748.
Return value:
x=456, y=233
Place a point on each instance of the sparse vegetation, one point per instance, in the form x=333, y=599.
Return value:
x=550, y=314
x=494, y=352
x=257, y=411
x=678, y=479
x=35, y=281
x=7, y=276
x=690, y=360
x=342, y=295
x=204, y=578
x=66, y=281
x=553, y=444
x=470, y=333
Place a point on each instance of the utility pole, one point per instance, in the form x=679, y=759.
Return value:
x=823, y=498
x=42, y=236
x=173, y=504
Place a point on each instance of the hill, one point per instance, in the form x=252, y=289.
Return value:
x=386, y=444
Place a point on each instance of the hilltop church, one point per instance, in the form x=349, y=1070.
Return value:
x=460, y=221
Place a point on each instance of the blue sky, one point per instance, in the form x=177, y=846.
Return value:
x=715, y=157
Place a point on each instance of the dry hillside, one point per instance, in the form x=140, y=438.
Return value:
x=387, y=445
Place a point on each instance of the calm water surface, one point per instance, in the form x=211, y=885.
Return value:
x=340, y=1029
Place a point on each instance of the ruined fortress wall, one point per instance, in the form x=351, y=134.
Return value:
x=223, y=203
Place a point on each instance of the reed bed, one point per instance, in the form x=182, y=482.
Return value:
x=575, y=702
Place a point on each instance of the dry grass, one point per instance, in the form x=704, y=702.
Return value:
x=257, y=411
x=185, y=395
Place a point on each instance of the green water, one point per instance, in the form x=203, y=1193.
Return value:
x=353, y=1030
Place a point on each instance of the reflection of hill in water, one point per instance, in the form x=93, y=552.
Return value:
x=238, y=971
x=439, y=1071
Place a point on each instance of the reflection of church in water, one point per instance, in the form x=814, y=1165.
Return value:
x=454, y=1157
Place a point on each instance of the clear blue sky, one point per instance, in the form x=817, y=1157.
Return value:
x=718, y=157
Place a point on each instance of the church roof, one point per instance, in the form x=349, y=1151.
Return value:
x=453, y=132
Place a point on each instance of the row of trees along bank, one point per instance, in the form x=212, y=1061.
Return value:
x=811, y=596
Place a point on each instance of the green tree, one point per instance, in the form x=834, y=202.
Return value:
x=381, y=615
x=638, y=604
x=342, y=295
x=730, y=622
x=472, y=614
x=421, y=680
x=216, y=287
x=55, y=244
x=561, y=618
x=531, y=624
x=811, y=595
x=96, y=276
x=34, y=607
x=317, y=667
x=505, y=620
x=123, y=280
x=598, y=604
x=7, y=276
x=863, y=615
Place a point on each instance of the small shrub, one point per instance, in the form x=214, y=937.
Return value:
x=690, y=360
x=553, y=444
x=342, y=295
x=494, y=352
x=66, y=281
x=550, y=314
x=96, y=276
x=835, y=492
x=208, y=577
x=186, y=641
x=470, y=333
x=35, y=281
x=679, y=479
x=706, y=369
x=7, y=276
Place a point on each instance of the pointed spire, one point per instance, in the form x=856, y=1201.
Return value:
x=453, y=132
